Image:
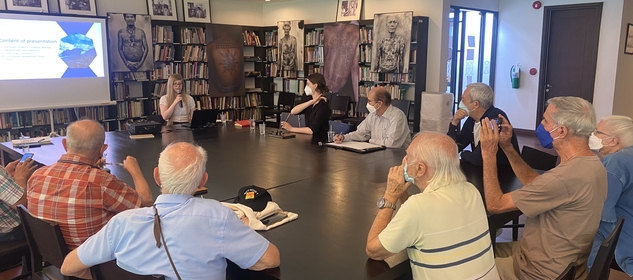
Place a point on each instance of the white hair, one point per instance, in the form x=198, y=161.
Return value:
x=481, y=92
x=439, y=152
x=181, y=170
x=85, y=137
x=574, y=113
x=620, y=127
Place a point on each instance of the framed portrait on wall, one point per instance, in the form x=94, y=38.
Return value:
x=162, y=9
x=348, y=10
x=78, y=7
x=628, y=42
x=130, y=42
x=196, y=11
x=392, y=42
x=27, y=5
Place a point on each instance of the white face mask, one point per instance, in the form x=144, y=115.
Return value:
x=371, y=108
x=308, y=90
x=595, y=143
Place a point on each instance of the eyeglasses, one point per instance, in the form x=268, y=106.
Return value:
x=372, y=101
x=602, y=133
x=178, y=84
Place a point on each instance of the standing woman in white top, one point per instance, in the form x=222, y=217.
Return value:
x=176, y=107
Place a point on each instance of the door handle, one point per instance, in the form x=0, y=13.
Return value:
x=548, y=86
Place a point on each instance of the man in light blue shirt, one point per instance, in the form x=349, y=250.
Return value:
x=385, y=125
x=613, y=139
x=200, y=234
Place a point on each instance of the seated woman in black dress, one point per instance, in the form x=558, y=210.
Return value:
x=316, y=110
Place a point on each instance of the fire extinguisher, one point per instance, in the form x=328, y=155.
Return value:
x=515, y=75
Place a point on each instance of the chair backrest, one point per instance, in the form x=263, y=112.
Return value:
x=538, y=159
x=361, y=107
x=340, y=127
x=45, y=238
x=403, y=105
x=602, y=264
x=569, y=273
x=268, y=100
x=111, y=271
x=286, y=100
x=340, y=103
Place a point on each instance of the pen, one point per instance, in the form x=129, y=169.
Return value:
x=287, y=117
x=114, y=163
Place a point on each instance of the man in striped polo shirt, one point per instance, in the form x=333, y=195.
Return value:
x=444, y=228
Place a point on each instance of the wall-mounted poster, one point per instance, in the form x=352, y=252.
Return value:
x=291, y=45
x=162, y=9
x=27, y=5
x=392, y=42
x=225, y=52
x=348, y=10
x=78, y=7
x=341, y=68
x=196, y=11
x=130, y=42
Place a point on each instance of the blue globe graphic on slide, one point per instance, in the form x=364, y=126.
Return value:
x=77, y=50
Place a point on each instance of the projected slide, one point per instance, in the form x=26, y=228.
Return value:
x=49, y=49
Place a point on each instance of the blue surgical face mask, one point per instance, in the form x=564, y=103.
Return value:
x=408, y=178
x=545, y=136
x=463, y=107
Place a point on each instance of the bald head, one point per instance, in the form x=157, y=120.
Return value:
x=380, y=94
x=85, y=137
x=181, y=168
x=439, y=153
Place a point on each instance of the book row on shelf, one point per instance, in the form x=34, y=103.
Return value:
x=397, y=91
x=272, y=69
x=314, y=54
x=365, y=74
x=366, y=36
x=289, y=74
x=7, y=136
x=365, y=53
x=243, y=114
x=314, y=69
x=130, y=76
x=250, y=38
x=162, y=34
x=130, y=109
x=193, y=87
x=188, y=70
x=164, y=53
x=192, y=35
x=272, y=54
x=294, y=86
x=41, y=117
x=250, y=100
x=314, y=38
x=194, y=53
x=271, y=38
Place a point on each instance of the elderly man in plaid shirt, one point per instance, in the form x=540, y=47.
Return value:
x=76, y=193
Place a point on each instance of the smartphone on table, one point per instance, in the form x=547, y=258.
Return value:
x=25, y=156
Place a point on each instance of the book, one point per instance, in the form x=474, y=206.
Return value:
x=243, y=123
x=141, y=136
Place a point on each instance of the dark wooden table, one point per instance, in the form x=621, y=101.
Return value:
x=333, y=191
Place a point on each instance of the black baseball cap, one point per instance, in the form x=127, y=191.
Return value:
x=254, y=197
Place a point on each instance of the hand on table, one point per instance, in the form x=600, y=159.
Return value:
x=286, y=126
x=338, y=138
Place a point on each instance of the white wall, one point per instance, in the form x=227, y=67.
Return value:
x=519, y=41
x=489, y=5
x=623, y=97
x=319, y=11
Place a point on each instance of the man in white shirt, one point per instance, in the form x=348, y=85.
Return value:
x=445, y=227
x=385, y=125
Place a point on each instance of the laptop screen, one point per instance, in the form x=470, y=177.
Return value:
x=203, y=118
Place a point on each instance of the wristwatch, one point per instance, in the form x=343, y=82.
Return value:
x=383, y=203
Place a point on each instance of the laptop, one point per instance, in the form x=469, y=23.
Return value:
x=203, y=118
x=294, y=120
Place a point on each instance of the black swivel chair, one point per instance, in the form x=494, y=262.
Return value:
x=17, y=250
x=340, y=107
x=285, y=102
x=111, y=271
x=403, y=105
x=359, y=114
x=46, y=243
x=602, y=263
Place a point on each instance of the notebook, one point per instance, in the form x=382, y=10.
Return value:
x=357, y=147
x=294, y=120
x=203, y=118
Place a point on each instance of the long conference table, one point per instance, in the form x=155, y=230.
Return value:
x=333, y=191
